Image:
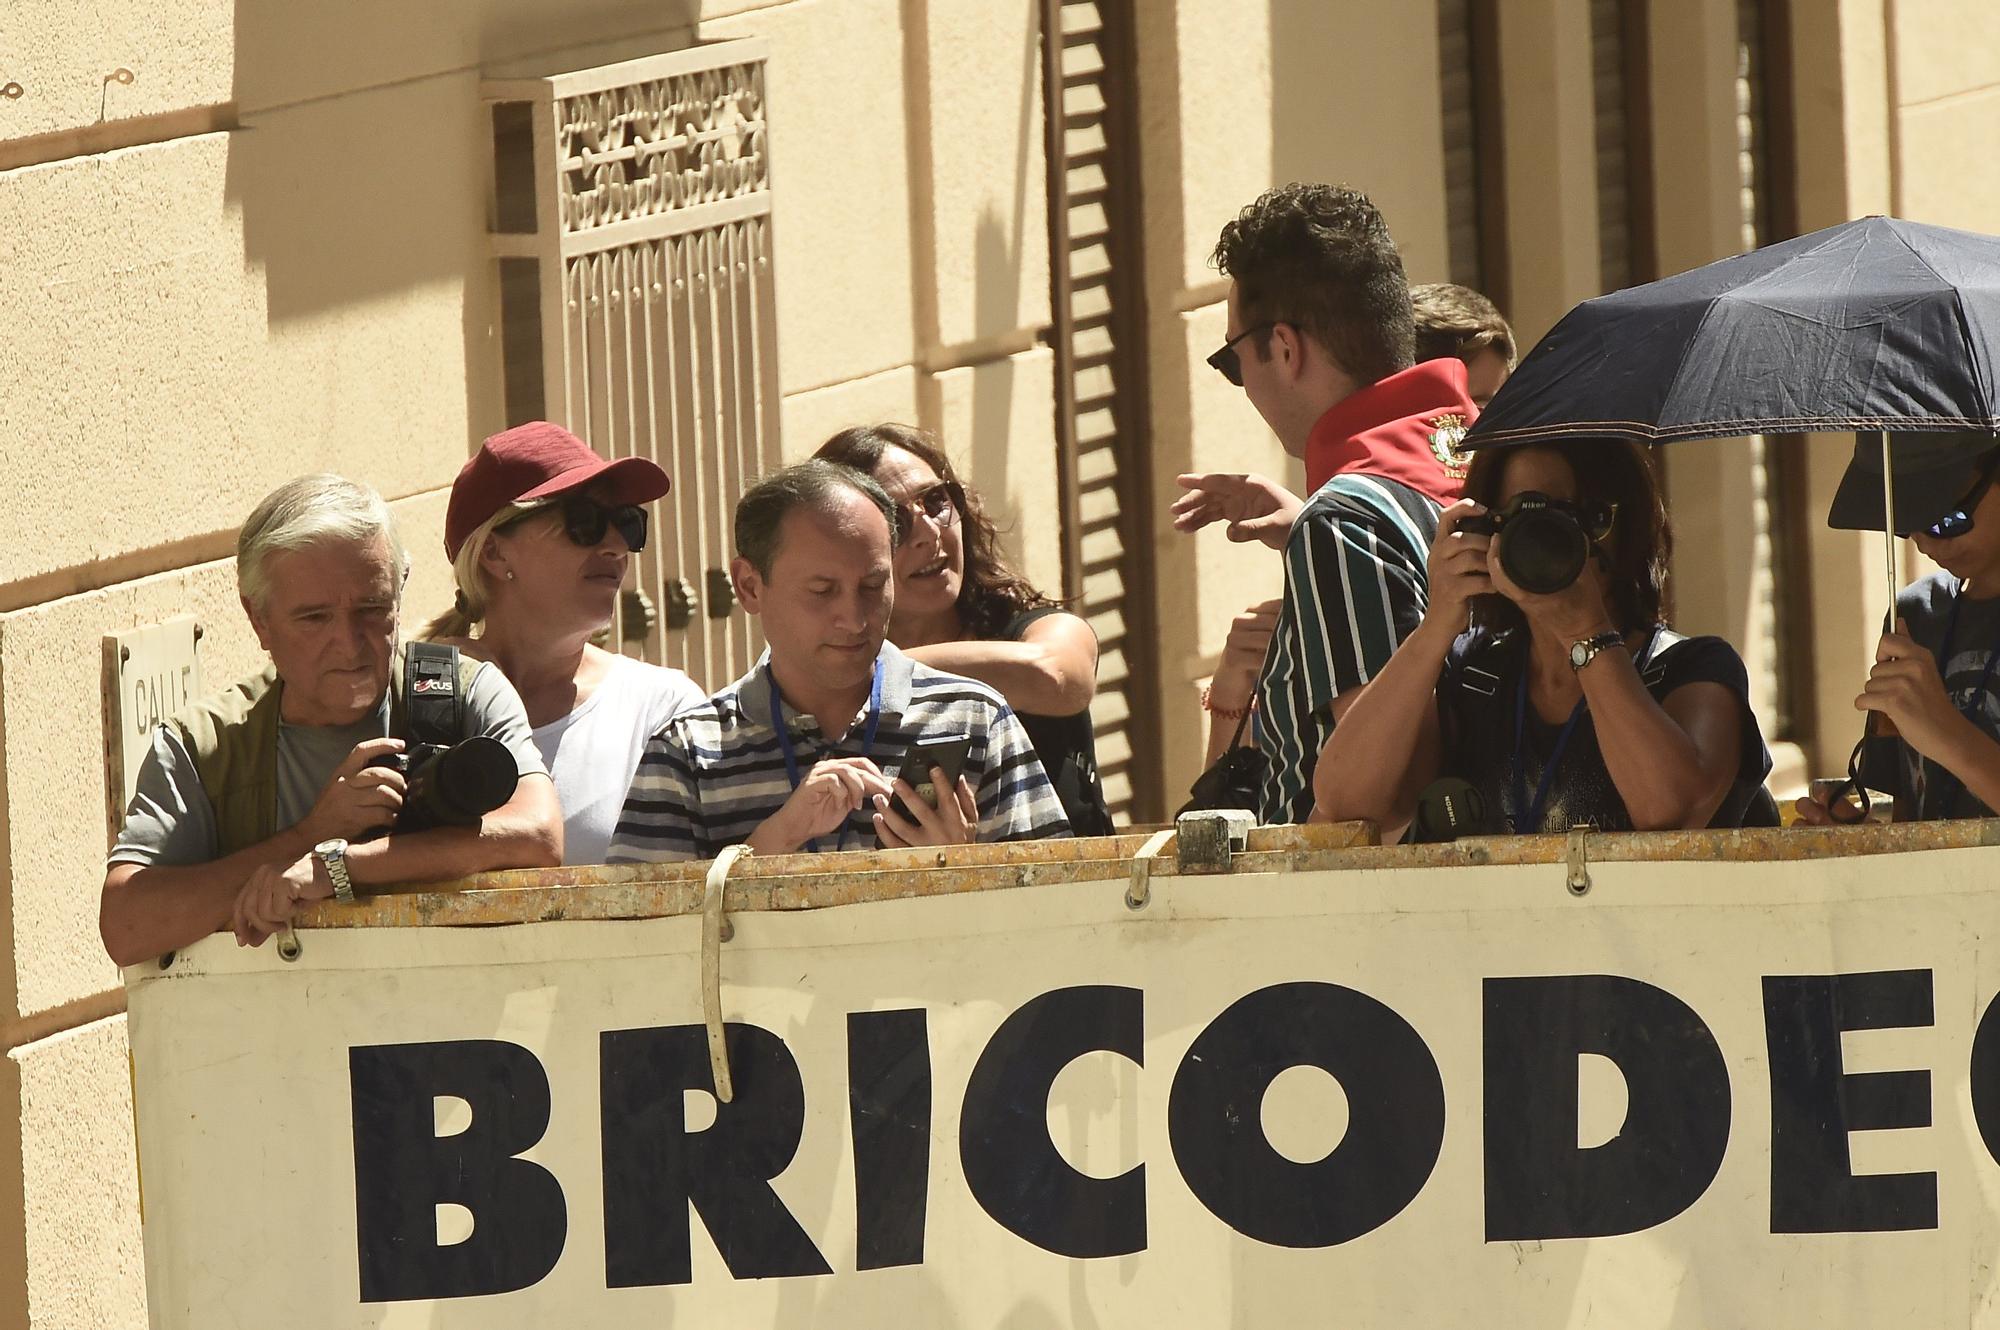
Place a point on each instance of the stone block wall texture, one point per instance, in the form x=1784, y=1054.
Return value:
x=197, y=316
x=215, y=313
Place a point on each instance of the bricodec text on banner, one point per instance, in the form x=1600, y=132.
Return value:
x=1706, y=1094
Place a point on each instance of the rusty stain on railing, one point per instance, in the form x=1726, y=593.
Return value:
x=807, y=882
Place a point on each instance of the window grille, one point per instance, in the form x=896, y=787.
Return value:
x=631, y=232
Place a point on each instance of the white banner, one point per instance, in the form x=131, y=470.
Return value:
x=1704, y=1095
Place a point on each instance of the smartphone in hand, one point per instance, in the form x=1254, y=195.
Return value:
x=947, y=755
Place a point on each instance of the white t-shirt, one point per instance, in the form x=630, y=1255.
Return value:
x=593, y=751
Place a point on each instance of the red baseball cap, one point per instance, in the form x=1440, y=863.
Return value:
x=535, y=461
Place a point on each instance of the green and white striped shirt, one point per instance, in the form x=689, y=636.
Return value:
x=1355, y=587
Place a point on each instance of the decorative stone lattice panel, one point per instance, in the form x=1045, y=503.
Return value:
x=632, y=232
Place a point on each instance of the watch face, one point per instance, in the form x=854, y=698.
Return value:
x=331, y=848
x=1579, y=654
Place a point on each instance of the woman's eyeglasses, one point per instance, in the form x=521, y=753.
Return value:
x=1227, y=363
x=940, y=502
x=586, y=522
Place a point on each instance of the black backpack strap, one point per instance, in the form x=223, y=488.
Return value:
x=433, y=701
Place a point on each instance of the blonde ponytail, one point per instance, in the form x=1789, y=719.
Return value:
x=468, y=607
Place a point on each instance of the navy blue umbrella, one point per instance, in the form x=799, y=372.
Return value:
x=1878, y=324
x=1873, y=325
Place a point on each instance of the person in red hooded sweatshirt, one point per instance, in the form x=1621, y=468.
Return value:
x=1321, y=338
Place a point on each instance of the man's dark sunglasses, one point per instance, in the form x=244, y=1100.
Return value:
x=586, y=521
x=1227, y=363
x=1958, y=522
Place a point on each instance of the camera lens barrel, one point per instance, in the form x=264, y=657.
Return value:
x=1543, y=550
x=459, y=785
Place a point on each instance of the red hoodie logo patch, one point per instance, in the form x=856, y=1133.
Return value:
x=1447, y=431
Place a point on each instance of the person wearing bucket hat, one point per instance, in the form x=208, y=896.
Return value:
x=539, y=531
x=1934, y=676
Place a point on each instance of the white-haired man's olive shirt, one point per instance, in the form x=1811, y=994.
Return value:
x=171, y=822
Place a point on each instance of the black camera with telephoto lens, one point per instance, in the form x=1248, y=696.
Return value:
x=1547, y=540
x=447, y=781
x=451, y=786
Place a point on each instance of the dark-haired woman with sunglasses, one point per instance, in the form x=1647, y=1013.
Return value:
x=539, y=531
x=1565, y=705
x=959, y=607
x=1935, y=677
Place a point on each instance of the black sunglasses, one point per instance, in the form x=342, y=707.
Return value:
x=1227, y=363
x=1958, y=522
x=586, y=522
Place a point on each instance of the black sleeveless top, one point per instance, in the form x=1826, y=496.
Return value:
x=1067, y=747
x=1476, y=699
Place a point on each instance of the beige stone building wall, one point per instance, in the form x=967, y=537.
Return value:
x=266, y=253
x=192, y=320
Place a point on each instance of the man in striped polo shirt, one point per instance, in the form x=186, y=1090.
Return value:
x=796, y=755
x=1321, y=339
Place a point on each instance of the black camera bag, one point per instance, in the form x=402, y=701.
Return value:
x=1234, y=780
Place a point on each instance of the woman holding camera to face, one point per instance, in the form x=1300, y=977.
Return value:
x=1567, y=701
x=539, y=531
x=961, y=609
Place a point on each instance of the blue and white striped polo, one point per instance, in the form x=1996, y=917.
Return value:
x=716, y=771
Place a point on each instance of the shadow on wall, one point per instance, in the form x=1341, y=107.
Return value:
x=361, y=168
x=996, y=277
x=989, y=444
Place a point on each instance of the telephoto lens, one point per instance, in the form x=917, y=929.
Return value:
x=452, y=787
x=1448, y=808
x=462, y=783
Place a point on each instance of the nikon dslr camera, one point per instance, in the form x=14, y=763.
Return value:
x=1547, y=540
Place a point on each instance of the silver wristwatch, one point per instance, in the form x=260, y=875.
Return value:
x=332, y=855
x=1582, y=653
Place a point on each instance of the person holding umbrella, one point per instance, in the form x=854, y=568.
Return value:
x=1881, y=326
x=1567, y=701
x=1934, y=676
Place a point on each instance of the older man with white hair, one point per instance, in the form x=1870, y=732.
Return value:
x=258, y=799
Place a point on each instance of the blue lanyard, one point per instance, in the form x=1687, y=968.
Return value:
x=791, y=755
x=1527, y=817
x=1950, y=786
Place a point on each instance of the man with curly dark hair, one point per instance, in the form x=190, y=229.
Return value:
x=1321, y=338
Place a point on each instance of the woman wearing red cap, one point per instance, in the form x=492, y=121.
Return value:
x=539, y=531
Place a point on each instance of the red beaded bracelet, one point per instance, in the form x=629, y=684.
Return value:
x=1226, y=713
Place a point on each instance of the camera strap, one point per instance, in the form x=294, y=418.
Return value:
x=433, y=704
